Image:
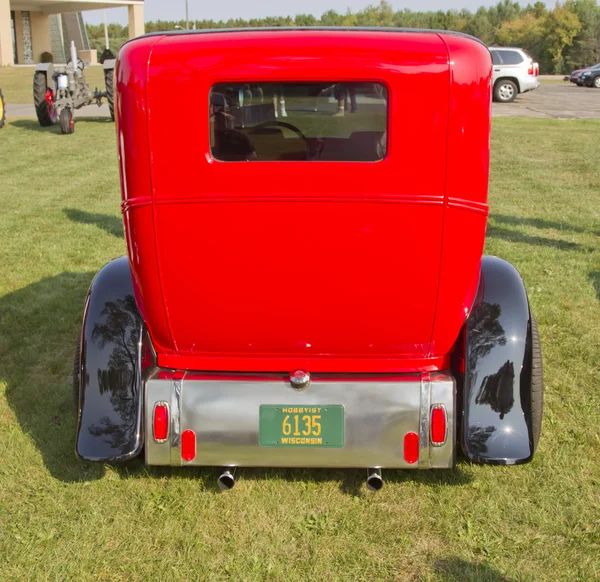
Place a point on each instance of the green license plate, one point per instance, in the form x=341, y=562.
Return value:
x=320, y=426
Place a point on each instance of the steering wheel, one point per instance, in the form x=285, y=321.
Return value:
x=80, y=64
x=289, y=126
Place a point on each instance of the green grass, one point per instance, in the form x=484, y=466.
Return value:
x=62, y=519
x=17, y=82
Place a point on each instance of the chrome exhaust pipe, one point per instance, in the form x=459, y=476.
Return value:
x=226, y=479
x=374, y=480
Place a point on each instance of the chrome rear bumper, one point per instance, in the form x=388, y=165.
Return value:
x=223, y=413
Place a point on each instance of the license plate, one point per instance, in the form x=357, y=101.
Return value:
x=301, y=426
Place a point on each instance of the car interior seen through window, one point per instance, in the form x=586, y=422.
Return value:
x=329, y=121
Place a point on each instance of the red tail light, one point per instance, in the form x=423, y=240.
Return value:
x=160, y=423
x=411, y=447
x=438, y=425
x=188, y=445
x=530, y=70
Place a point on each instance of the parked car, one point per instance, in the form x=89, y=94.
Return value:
x=304, y=284
x=575, y=76
x=514, y=72
x=591, y=77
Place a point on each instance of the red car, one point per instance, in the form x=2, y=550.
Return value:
x=305, y=214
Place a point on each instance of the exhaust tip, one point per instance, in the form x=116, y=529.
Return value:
x=374, y=480
x=226, y=480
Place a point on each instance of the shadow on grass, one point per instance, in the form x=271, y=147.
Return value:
x=110, y=224
x=518, y=237
x=456, y=569
x=39, y=327
x=539, y=223
x=351, y=481
x=33, y=124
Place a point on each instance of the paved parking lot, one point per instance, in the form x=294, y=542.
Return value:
x=555, y=100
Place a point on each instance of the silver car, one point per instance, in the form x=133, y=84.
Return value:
x=514, y=72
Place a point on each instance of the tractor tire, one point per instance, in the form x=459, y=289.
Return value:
x=2, y=110
x=66, y=121
x=537, y=383
x=109, y=76
x=43, y=99
x=505, y=91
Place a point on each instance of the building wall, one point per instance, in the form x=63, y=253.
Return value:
x=6, y=44
x=40, y=34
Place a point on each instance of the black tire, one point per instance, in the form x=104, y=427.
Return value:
x=66, y=121
x=537, y=383
x=596, y=82
x=76, y=378
x=2, y=110
x=109, y=75
x=45, y=112
x=505, y=91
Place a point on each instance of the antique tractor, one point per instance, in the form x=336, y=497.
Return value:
x=57, y=92
x=304, y=284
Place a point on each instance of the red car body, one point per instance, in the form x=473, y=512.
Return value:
x=337, y=293
x=345, y=268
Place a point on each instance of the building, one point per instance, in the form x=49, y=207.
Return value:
x=30, y=27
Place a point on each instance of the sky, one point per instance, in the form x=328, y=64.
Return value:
x=203, y=9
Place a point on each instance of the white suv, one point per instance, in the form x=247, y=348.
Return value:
x=514, y=72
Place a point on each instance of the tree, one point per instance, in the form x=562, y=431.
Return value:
x=561, y=26
x=526, y=32
x=586, y=45
x=559, y=39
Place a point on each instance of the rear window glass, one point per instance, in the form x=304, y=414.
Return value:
x=330, y=121
x=511, y=57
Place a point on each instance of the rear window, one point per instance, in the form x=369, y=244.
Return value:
x=330, y=121
x=511, y=57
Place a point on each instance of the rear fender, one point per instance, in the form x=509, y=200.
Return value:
x=497, y=416
x=48, y=70
x=109, y=424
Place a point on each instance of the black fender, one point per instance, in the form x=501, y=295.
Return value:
x=497, y=411
x=109, y=419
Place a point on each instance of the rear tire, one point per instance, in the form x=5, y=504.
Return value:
x=66, y=121
x=2, y=110
x=505, y=91
x=537, y=383
x=43, y=99
x=109, y=75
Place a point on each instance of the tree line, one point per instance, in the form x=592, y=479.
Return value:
x=560, y=39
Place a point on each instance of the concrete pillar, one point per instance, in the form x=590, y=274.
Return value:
x=136, y=20
x=6, y=44
x=40, y=34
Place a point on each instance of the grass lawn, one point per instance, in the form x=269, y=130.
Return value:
x=62, y=519
x=17, y=82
